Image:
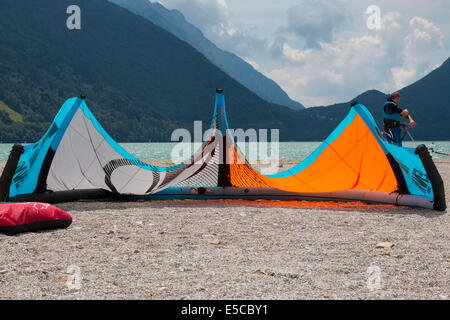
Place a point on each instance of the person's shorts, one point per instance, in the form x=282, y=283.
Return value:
x=394, y=136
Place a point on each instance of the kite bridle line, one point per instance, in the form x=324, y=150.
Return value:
x=405, y=127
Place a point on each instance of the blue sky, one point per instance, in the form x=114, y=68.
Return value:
x=322, y=52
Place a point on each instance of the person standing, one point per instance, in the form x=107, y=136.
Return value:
x=392, y=115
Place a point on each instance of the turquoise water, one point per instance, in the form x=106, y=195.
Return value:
x=297, y=150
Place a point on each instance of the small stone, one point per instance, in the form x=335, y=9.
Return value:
x=184, y=269
x=385, y=245
x=3, y=271
x=215, y=241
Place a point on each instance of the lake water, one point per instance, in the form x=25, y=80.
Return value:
x=292, y=150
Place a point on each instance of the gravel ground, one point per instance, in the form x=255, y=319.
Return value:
x=233, y=250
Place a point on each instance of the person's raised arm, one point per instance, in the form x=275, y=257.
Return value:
x=405, y=114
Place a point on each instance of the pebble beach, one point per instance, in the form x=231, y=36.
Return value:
x=233, y=249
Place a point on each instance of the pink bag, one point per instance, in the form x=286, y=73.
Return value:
x=31, y=216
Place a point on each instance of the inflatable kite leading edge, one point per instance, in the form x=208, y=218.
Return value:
x=77, y=159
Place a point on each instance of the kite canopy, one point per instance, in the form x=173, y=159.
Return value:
x=77, y=159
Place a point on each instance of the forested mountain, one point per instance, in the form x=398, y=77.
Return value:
x=174, y=22
x=142, y=82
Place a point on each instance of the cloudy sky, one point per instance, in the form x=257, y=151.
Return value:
x=323, y=52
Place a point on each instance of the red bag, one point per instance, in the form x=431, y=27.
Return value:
x=31, y=216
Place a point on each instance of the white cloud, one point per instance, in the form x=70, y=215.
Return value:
x=317, y=21
x=201, y=13
x=212, y=17
x=402, y=77
x=294, y=54
x=423, y=40
x=387, y=60
x=425, y=34
x=252, y=63
x=321, y=52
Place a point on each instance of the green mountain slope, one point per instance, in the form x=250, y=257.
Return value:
x=174, y=22
x=141, y=82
